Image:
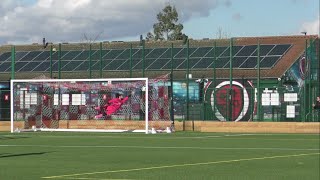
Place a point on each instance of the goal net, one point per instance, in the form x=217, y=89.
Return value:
x=91, y=105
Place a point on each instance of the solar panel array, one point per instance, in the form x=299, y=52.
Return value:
x=244, y=57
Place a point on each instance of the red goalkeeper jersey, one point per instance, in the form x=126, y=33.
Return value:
x=115, y=104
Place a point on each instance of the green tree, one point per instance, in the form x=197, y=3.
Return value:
x=167, y=27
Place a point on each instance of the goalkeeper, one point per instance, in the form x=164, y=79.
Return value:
x=113, y=106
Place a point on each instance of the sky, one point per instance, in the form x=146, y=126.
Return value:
x=28, y=21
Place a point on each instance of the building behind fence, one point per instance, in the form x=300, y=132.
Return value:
x=237, y=79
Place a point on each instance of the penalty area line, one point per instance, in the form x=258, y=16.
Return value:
x=180, y=165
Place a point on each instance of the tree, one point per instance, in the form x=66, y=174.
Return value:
x=167, y=27
x=87, y=40
x=150, y=37
x=221, y=34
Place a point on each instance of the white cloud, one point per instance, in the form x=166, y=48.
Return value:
x=68, y=20
x=311, y=27
x=44, y=3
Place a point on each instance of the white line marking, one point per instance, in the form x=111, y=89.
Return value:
x=162, y=147
x=170, y=137
x=180, y=165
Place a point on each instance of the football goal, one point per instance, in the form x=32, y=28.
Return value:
x=91, y=105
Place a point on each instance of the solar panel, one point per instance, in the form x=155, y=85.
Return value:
x=124, y=54
x=156, y=53
x=203, y=63
x=30, y=66
x=193, y=61
x=183, y=63
x=96, y=55
x=63, y=64
x=83, y=66
x=251, y=62
x=247, y=50
x=148, y=62
x=125, y=65
x=55, y=56
x=5, y=66
x=137, y=53
x=113, y=65
x=219, y=50
x=237, y=61
x=264, y=50
x=84, y=55
x=5, y=56
x=183, y=53
x=137, y=64
x=95, y=65
x=42, y=56
x=18, y=65
x=69, y=55
x=114, y=53
x=30, y=56
x=155, y=58
x=42, y=66
x=201, y=51
x=269, y=61
x=279, y=49
x=159, y=63
x=175, y=64
x=70, y=65
x=54, y=66
x=20, y=55
x=221, y=62
x=235, y=50
x=167, y=54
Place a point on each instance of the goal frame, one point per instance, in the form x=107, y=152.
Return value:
x=146, y=80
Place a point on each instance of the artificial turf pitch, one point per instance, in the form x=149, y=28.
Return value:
x=180, y=155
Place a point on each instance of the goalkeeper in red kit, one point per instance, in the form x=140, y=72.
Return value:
x=113, y=106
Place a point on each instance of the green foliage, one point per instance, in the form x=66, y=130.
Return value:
x=167, y=27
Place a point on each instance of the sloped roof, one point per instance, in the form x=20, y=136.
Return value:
x=284, y=63
x=289, y=58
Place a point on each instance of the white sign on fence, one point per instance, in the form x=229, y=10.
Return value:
x=275, y=99
x=290, y=97
x=265, y=99
x=291, y=112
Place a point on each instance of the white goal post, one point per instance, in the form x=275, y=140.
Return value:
x=87, y=105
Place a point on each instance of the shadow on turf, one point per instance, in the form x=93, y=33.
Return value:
x=7, y=155
x=11, y=137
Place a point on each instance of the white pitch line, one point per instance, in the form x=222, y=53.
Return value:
x=162, y=147
x=180, y=165
x=169, y=137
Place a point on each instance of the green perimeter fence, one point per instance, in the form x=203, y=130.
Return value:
x=225, y=80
